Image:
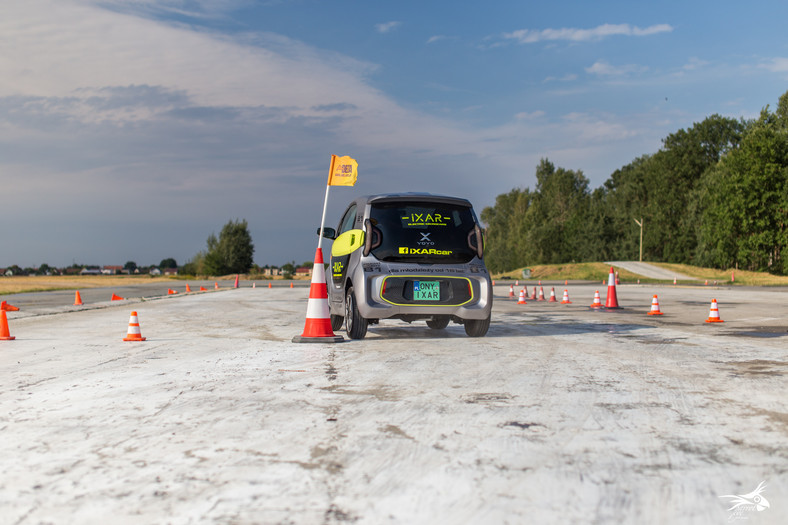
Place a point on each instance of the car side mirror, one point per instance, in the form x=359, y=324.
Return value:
x=347, y=243
x=328, y=233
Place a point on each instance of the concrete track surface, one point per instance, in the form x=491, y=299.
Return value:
x=560, y=415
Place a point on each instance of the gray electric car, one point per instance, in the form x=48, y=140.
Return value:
x=408, y=256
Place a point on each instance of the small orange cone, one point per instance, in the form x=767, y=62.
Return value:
x=533, y=295
x=511, y=291
x=714, y=313
x=611, y=302
x=517, y=283
x=5, y=334
x=597, y=301
x=655, y=306
x=522, y=297
x=674, y=281
x=117, y=298
x=317, y=328
x=291, y=284
x=134, y=333
x=566, y=282
x=706, y=283
x=552, y=296
x=493, y=283
x=617, y=281
x=77, y=299
x=236, y=281
x=188, y=289
x=541, y=294
x=254, y=285
x=566, y=300
x=202, y=289
x=269, y=285
x=170, y=291
x=215, y=286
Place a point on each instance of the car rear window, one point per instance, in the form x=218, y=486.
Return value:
x=423, y=232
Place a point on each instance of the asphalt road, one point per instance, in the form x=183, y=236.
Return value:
x=561, y=414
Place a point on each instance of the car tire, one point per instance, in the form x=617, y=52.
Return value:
x=355, y=325
x=477, y=327
x=438, y=323
x=337, y=321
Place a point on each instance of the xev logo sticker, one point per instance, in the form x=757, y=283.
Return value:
x=425, y=240
x=743, y=504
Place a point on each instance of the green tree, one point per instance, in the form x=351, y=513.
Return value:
x=231, y=252
x=130, y=266
x=168, y=263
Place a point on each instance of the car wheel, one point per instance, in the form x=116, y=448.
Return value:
x=477, y=327
x=355, y=325
x=438, y=323
x=336, y=322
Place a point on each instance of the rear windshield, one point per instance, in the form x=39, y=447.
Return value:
x=423, y=232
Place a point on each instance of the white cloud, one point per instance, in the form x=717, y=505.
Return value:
x=569, y=77
x=603, y=68
x=530, y=36
x=387, y=27
x=533, y=115
x=776, y=65
x=436, y=38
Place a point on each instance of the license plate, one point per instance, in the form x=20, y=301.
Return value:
x=426, y=291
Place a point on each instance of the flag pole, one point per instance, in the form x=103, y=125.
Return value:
x=325, y=203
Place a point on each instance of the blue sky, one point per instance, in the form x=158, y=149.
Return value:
x=131, y=130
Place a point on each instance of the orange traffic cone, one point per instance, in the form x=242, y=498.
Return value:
x=5, y=334
x=714, y=313
x=517, y=282
x=202, y=289
x=170, y=291
x=706, y=283
x=617, y=281
x=134, y=333
x=552, y=296
x=77, y=299
x=566, y=282
x=117, y=298
x=269, y=285
x=541, y=294
x=291, y=285
x=522, y=297
x=188, y=288
x=612, y=301
x=236, y=281
x=511, y=291
x=215, y=286
x=655, y=306
x=317, y=328
x=566, y=300
x=254, y=285
x=493, y=283
x=597, y=301
x=533, y=295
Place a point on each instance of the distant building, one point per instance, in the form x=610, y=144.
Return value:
x=90, y=271
x=302, y=271
x=111, y=270
x=170, y=271
x=272, y=272
x=154, y=271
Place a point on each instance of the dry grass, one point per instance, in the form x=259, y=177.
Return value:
x=22, y=284
x=598, y=271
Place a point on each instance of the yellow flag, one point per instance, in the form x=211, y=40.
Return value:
x=343, y=172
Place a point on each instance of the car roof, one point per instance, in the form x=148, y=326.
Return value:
x=415, y=197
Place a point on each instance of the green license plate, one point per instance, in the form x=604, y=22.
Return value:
x=426, y=291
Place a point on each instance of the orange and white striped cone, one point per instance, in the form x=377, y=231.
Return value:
x=134, y=333
x=552, y=296
x=511, y=291
x=517, y=283
x=170, y=291
x=533, y=295
x=317, y=328
x=611, y=302
x=254, y=285
x=188, y=288
x=541, y=294
x=714, y=313
x=493, y=283
x=522, y=297
x=215, y=286
x=77, y=299
x=5, y=333
x=655, y=306
x=566, y=300
x=597, y=301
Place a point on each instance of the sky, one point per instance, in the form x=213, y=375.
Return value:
x=130, y=130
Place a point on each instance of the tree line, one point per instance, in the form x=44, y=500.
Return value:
x=714, y=195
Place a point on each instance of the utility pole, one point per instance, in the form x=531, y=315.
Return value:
x=640, y=223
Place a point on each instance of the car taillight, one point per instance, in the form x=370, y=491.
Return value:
x=470, y=290
x=383, y=290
